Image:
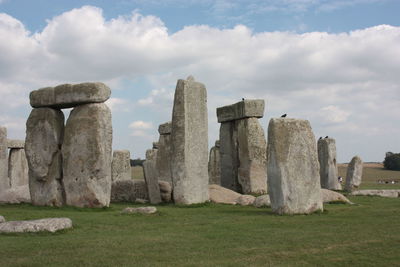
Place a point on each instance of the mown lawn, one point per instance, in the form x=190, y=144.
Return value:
x=366, y=234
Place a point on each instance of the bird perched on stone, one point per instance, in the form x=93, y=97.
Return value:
x=320, y=138
x=242, y=99
x=326, y=136
x=284, y=115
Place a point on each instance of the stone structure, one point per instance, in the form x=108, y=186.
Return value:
x=293, y=169
x=13, y=143
x=151, y=176
x=163, y=161
x=189, y=139
x=243, y=147
x=328, y=166
x=86, y=152
x=4, y=181
x=214, y=165
x=121, y=165
x=72, y=167
x=18, y=168
x=44, y=135
x=128, y=191
x=354, y=174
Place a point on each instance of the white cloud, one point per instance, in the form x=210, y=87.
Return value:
x=141, y=125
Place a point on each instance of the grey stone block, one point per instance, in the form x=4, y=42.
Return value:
x=13, y=143
x=354, y=174
x=214, y=165
x=328, y=165
x=241, y=110
x=4, y=181
x=121, y=165
x=165, y=128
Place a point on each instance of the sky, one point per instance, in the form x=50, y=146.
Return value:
x=335, y=63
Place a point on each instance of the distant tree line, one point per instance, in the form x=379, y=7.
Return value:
x=392, y=161
x=137, y=162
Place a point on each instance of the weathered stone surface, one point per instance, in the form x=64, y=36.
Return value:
x=155, y=145
x=229, y=157
x=189, y=138
x=354, y=174
x=87, y=156
x=141, y=201
x=70, y=95
x=293, y=169
x=165, y=191
x=16, y=195
x=128, y=191
x=241, y=110
x=44, y=135
x=332, y=196
x=219, y=194
x=4, y=181
x=14, y=143
x=328, y=166
x=151, y=177
x=2, y=219
x=49, y=225
x=392, y=193
x=121, y=165
x=163, y=159
x=214, y=165
x=252, y=151
x=165, y=128
x=142, y=210
x=18, y=168
x=245, y=200
x=262, y=201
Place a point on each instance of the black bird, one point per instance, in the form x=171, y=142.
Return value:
x=326, y=136
x=320, y=138
x=242, y=99
x=284, y=115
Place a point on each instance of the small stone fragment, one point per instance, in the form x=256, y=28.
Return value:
x=165, y=191
x=262, y=201
x=332, y=196
x=245, y=200
x=141, y=210
x=2, y=219
x=219, y=194
x=49, y=224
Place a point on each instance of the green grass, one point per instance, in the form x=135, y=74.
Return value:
x=366, y=234
x=371, y=174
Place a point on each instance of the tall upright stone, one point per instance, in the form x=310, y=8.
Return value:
x=163, y=161
x=293, y=169
x=4, y=181
x=121, y=165
x=189, y=140
x=214, y=165
x=243, y=147
x=87, y=152
x=151, y=176
x=328, y=166
x=44, y=135
x=18, y=168
x=354, y=174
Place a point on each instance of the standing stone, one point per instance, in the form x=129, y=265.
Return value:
x=293, y=170
x=214, y=165
x=121, y=165
x=327, y=161
x=87, y=155
x=354, y=174
x=252, y=151
x=44, y=135
x=229, y=156
x=163, y=162
x=4, y=181
x=190, y=143
x=151, y=176
x=18, y=168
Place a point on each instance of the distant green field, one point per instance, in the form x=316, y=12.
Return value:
x=372, y=173
x=137, y=173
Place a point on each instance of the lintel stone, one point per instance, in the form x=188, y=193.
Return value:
x=241, y=110
x=13, y=143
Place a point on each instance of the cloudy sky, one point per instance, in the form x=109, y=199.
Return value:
x=335, y=63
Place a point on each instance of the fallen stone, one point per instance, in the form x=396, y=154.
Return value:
x=4, y=180
x=87, y=154
x=328, y=165
x=189, y=139
x=245, y=200
x=18, y=168
x=252, y=151
x=121, y=165
x=354, y=174
x=13, y=143
x=141, y=210
x=262, y=201
x=68, y=95
x=214, y=165
x=16, y=195
x=293, y=169
x=44, y=134
x=241, y=110
x=49, y=224
x=128, y=191
x=165, y=191
x=165, y=128
x=332, y=196
x=391, y=193
x=219, y=194
x=2, y=219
